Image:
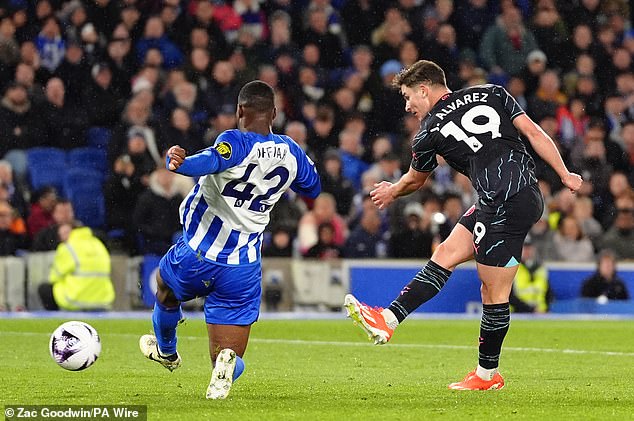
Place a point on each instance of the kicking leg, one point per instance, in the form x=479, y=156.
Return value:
x=380, y=323
x=227, y=345
x=167, y=313
x=428, y=282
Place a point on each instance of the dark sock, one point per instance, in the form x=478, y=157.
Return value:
x=421, y=289
x=171, y=357
x=493, y=327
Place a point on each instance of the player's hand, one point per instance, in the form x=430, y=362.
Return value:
x=382, y=194
x=176, y=154
x=572, y=181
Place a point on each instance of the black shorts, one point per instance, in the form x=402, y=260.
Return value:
x=498, y=235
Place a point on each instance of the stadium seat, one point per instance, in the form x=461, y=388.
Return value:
x=89, y=205
x=81, y=179
x=46, y=167
x=99, y=137
x=88, y=158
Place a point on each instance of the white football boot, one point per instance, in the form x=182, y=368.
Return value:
x=222, y=374
x=149, y=348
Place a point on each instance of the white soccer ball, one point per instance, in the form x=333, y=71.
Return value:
x=75, y=345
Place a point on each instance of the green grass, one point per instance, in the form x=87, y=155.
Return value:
x=326, y=370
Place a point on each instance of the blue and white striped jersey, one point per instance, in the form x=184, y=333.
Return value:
x=242, y=177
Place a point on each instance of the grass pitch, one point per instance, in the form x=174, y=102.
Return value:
x=327, y=370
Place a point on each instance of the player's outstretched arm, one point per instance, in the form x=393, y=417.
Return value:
x=202, y=163
x=546, y=149
x=385, y=192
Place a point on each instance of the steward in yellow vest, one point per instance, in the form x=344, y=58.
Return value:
x=531, y=292
x=80, y=275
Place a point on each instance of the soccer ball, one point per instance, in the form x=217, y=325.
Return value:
x=75, y=345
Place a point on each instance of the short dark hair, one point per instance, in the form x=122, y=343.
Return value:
x=258, y=96
x=423, y=71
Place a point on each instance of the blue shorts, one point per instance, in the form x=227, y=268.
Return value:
x=232, y=293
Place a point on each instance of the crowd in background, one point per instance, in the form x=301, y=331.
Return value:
x=155, y=73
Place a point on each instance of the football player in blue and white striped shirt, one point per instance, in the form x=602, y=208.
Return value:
x=218, y=257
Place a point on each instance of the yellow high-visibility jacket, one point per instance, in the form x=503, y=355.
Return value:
x=81, y=273
x=532, y=289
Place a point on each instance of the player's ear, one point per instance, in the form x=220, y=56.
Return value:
x=240, y=111
x=424, y=90
x=274, y=114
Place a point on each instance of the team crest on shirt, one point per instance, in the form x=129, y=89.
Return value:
x=224, y=149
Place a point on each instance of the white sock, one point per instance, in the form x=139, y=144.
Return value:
x=390, y=318
x=486, y=373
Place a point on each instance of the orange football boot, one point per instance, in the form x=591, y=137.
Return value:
x=369, y=319
x=474, y=382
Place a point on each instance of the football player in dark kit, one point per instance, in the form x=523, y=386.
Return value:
x=477, y=131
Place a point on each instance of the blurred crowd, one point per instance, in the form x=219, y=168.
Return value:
x=154, y=73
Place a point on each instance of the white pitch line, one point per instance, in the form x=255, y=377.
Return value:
x=366, y=344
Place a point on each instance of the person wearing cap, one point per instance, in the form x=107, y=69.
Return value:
x=535, y=66
x=391, y=109
x=412, y=241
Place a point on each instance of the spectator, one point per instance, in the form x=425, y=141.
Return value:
x=198, y=69
x=154, y=37
x=386, y=118
x=50, y=44
x=620, y=236
x=12, y=238
x=605, y=284
x=326, y=247
x=452, y=210
x=322, y=135
x=333, y=182
x=583, y=213
x=25, y=76
x=542, y=239
x=318, y=33
x=531, y=292
x=570, y=243
x=548, y=96
x=120, y=60
x=550, y=31
x=49, y=238
x=66, y=123
x=155, y=215
x=360, y=17
x=411, y=241
x=100, y=98
x=180, y=130
x=473, y=17
x=41, y=213
x=20, y=125
x=366, y=239
x=123, y=187
x=223, y=90
x=80, y=276
x=506, y=45
x=444, y=51
x=135, y=120
x=324, y=210
x=572, y=122
x=281, y=243
x=351, y=152
x=15, y=193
